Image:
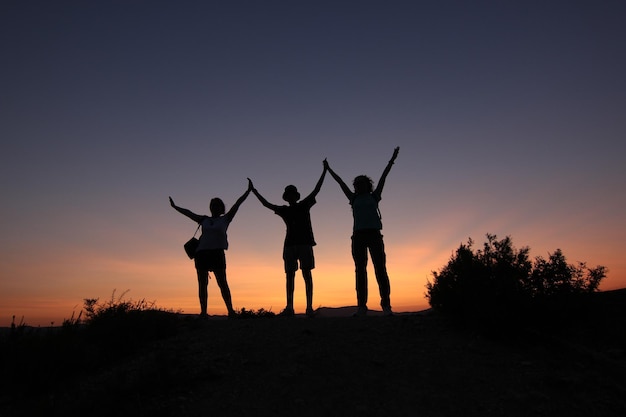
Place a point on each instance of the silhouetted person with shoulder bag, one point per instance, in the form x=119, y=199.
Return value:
x=213, y=242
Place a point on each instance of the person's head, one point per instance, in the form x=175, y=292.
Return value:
x=363, y=184
x=291, y=194
x=217, y=207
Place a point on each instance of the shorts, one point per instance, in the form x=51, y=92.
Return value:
x=210, y=260
x=294, y=253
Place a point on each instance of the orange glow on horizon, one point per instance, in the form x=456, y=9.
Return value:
x=255, y=282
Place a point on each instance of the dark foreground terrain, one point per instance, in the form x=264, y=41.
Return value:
x=336, y=365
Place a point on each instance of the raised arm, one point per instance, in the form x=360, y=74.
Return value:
x=233, y=210
x=383, y=177
x=193, y=216
x=346, y=190
x=318, y=186
x=261, y=198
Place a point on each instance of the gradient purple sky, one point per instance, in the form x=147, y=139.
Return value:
x=509, y=117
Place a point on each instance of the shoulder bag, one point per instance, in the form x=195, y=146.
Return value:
x=192, y=244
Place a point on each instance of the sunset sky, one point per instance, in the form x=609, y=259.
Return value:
x=509, y=115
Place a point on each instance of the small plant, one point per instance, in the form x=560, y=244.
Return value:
x=19, y=327
x=115, y=307
x=251, y=314
x=73, y=322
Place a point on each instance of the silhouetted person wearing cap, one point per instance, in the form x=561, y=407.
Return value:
x=299, y=241
x=366, y=234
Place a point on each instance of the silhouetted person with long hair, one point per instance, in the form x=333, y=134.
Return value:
x=210, y=255
x=366, y=234
x=299, y=240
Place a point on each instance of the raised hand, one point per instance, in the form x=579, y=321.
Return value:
x=395, y=153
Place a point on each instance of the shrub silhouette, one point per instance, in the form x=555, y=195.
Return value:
x=500, y=283
x=35, y=359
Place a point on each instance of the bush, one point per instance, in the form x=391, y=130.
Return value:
x=500, y=283
x=36, y=359
x=119, y=326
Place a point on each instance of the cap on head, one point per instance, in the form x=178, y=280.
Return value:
x=291, y=193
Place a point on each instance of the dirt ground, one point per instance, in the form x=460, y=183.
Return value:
x=413, y=364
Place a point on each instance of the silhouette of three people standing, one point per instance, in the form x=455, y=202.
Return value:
x=299, y=240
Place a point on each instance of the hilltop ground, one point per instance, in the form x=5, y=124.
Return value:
x=337, y=365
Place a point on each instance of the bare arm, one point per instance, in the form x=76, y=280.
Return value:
x=383, y=177
x=262, y=199
x=318, y=186
x=346, y=190
x=193, y=216
x=233, y=210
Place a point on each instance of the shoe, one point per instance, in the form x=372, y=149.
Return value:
x=310, y=313
x=387, y=311
x=287, y=312
x=233, y=315
x=361, y=312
